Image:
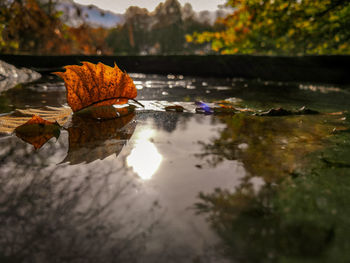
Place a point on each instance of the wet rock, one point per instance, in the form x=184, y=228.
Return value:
x=10, y=76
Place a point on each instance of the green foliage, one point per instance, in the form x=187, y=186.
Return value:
x=282, y=27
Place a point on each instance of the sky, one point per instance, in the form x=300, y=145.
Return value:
x=119, y=6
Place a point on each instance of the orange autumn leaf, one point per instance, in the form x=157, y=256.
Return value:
x=96, y=85
x=37, y=131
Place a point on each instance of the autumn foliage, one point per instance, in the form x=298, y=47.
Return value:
x=282, y=27
x=96, y=85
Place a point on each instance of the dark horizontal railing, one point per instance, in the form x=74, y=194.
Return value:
x=321, y=69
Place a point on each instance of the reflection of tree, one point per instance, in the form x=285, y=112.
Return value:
x=61, y=214
x=167, y=121
x=303, y=218
x=268, y=147
x=253, y=229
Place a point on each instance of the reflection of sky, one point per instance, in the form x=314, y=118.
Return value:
x=169, y=159
x=144, y=158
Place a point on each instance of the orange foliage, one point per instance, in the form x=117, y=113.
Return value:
x=32, y=29
x=96, y=85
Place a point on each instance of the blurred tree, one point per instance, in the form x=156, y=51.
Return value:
x=162, y=31
x=168, y=28
x=88, y=40
x=133, y=37
x=282, y=27
x=28, y=26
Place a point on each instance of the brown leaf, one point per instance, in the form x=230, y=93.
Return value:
x=96, y=84
x=176, y=108
x=37, y=131
x=224, y=109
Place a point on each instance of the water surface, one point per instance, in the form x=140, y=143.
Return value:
x=161, y=186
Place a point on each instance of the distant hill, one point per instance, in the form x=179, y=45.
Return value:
x=75, y=14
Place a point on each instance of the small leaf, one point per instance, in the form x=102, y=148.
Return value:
x=224, y=109
x=176, y=108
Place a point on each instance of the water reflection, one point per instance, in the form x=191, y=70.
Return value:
x=297, y=211
x=100, y=212
x=268, y=147
x=51, y=213
x=33, y=95
x=144, y=158
x=90, y=140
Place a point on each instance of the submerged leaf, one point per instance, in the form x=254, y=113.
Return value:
x=105, y=112
x=96, y=84
x=37, y=131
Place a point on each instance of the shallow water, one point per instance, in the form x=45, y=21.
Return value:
x=162, y=186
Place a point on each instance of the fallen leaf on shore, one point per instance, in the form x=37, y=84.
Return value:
x=96, y=85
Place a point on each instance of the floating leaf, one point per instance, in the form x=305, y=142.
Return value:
x=37, y=131
x=176, y=108
x=90, y=140
x=224, y=109
x=96, y=84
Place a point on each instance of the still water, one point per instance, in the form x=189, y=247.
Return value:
x=160, y=186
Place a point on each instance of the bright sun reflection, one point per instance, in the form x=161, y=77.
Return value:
x=144, y=158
